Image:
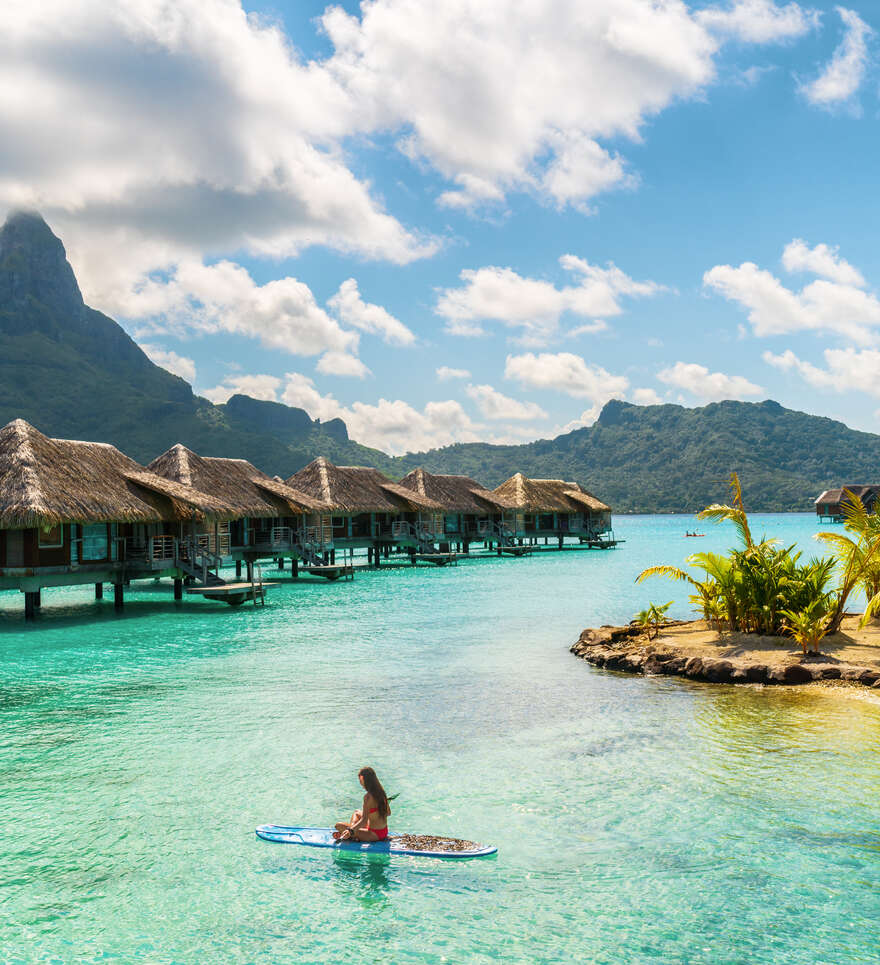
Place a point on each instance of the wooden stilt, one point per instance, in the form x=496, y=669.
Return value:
x=38, y=599
x=238, y=570
x=99, y=591
x=118, y=595
x=294, y=568
x=29, y=605
x=281, y=563
x=178, y=590
x=250, y=572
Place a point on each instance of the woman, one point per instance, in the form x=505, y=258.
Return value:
x=371, y=822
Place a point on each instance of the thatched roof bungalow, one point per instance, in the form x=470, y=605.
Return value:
x=267, y=512
x=364, y=504
x=554, y=507
x=830, y=504
x=470, y=510
x=67, y=504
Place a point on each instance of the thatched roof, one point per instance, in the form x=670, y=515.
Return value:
x=549, y=496
x=47, y=481
x=238, y=482
x=358, y=489
x=834, y=497
x=457, y=494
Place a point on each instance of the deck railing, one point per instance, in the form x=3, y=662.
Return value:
x=161, y=548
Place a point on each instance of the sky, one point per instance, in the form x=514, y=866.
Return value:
x=468, y=220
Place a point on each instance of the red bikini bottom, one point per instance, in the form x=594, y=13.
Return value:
x=381, y=833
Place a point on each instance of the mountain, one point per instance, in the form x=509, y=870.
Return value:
x=667, y=458
x=73, y=372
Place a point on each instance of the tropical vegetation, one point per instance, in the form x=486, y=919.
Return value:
x=761, y=587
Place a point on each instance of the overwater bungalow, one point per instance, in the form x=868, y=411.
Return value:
x=83, y=512
x=471, y=513
x=829, y=505
x=369, y=511
x=271, y=519
x=554, y=509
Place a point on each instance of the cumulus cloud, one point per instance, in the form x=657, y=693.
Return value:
x=759, y=21
x=393, y=426
x=565, y=372
x=646, y=397
x=846, y=369
x=264, y=387
x=494, y=405
x=529, y=94
x=708, y=386
x=445, y=373
x=534, y=305
x=341, y=363
x=822, y=260
x=178, y=364
x=149, y=132
x=843, y=74
x=352, y=310
x=282, y=314
x=835, y=303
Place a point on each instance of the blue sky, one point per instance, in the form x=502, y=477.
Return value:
x=466, y=221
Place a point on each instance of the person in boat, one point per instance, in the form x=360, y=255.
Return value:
x=370, y=823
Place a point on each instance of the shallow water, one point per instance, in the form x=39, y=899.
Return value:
x=638, y=819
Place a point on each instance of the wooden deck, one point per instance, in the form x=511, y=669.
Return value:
x=438, y=559
x=233, y=593
x=330, y=571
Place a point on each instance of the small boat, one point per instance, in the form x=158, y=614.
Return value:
x=429, y=846
x=694, y=535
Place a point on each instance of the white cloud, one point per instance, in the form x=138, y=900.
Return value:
x=282, y=314
x=646, y=397
x=264, y=387
x=705, y=385
x=822, y=260
x=533, y=304
x=341, y=363
x=847, y=369
x=352, y=310
x=494, y=405
x=565, y=372
x=760, y=21
x=178, y=364
x=822, y=305
x=445, y=373
x=393, y=426
x=150, y=133
x=844, y=73
x=499, y=96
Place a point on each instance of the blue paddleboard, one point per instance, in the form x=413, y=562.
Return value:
x=322, y=838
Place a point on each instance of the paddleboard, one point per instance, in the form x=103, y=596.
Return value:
x=322, y=838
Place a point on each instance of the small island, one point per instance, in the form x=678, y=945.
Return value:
x=759, y=603
x=694, y=649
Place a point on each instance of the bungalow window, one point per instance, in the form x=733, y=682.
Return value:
x=337, y=522
x=94, y=542
x=52, y=537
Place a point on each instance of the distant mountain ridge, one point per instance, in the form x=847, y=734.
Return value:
x=74, y=373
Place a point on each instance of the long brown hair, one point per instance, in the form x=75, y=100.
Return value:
x=372, y=785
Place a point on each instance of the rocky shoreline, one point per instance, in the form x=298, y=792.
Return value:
x=628, y=649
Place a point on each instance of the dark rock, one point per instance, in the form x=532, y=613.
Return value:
x=869, y=677
x=795, y=673
x=828, y=672
x=717, y=671
x=694, y=668
x=875, y=685
x=757, y=673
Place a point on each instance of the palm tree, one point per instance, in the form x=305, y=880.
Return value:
x=858, y=556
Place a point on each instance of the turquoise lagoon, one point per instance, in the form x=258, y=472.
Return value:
x=638, y=819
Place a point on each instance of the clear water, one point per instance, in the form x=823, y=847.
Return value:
x=638, y=820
